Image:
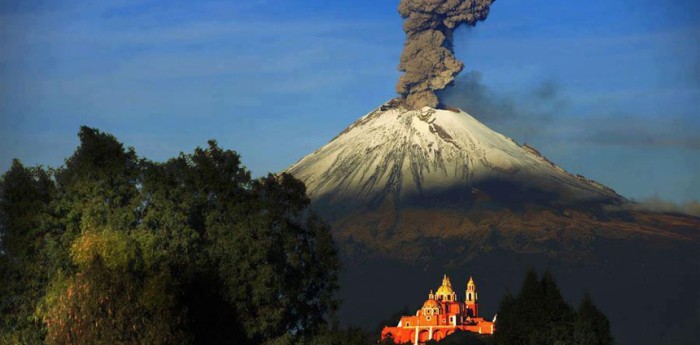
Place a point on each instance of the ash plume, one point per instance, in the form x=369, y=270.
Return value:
x=428, y=60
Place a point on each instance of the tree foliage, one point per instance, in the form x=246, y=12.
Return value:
x=538, y=315
x=114, y=249
x=25, y=196
x=591, y=327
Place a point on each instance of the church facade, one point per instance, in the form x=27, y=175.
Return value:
x=441, y=315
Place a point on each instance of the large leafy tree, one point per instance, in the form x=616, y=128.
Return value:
x=25, y=195
x=192, y=250
x=104, y=287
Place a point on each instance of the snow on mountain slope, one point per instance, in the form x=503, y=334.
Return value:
x=409, y=193
x=402, y=153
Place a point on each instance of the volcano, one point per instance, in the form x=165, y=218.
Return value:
x=415, y=193
x=399, y=156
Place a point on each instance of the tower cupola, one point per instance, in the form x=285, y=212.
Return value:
x=445, y=292
x=471, y=296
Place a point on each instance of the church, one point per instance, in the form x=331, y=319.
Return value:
x=441, y=315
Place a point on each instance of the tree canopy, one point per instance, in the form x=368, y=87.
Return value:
x=112, y=248
x=538, y=315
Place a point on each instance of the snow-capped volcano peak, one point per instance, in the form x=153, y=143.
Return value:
x=411, y=192
x=400, y=154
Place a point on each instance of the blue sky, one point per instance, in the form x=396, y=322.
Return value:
x=274, y=80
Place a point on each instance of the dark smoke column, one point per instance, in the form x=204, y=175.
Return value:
x=427, y=60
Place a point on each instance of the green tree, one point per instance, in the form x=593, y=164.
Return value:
x=104, y=287
x=98, y=184
x=113, y=249
x=176, y=198
x=508, y=327
x=262, y=268
x=592, y=326
x=519, y=316
x=277, y=264
x=539, y=315
x=25, y=194
x=557, y=315
x=113, y=298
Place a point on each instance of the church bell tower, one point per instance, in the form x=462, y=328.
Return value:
x=471, y=304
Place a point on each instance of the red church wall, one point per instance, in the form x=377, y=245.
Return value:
x=441, y=315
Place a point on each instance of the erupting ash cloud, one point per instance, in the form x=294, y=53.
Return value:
x=428, y=61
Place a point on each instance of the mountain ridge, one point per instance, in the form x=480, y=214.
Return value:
x=413, y=194
x=394, y=150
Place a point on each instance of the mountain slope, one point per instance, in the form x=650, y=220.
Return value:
x=413, y=194
x=408, y=154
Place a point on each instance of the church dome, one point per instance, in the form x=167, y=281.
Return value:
x=445, y=289
x=431, y=303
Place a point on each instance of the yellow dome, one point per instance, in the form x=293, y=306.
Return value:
x=445, y=289
x=431, y=303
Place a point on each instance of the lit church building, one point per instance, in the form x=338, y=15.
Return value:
x=440, y=316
